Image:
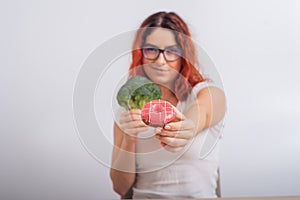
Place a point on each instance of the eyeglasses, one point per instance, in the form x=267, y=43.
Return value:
x=170, y=53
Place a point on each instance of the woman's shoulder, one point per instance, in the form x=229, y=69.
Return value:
x=204, y=84
x=199, y=87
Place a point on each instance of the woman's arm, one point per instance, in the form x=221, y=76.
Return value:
x=122, y=170
x=207, y=110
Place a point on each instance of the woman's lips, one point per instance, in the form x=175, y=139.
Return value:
x=160, y=70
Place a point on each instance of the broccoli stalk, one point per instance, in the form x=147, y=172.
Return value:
x=136, y=92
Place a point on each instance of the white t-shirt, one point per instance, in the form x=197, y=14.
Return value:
x=185, y=174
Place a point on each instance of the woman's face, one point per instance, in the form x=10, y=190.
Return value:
x=160, y=70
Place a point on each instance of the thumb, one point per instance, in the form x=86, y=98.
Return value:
x=178, y=115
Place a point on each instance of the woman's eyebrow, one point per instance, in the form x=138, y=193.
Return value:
x=152, y=45
x=172, y=46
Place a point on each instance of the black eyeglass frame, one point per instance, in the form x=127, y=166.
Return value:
x=161, y=51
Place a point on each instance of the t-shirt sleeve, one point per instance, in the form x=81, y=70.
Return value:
x=199, y=86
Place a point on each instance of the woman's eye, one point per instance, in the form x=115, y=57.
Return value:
x=174, y=51
x=150, y=50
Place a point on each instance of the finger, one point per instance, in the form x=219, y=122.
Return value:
x=130, y=119
x=124, y=117
x=172, y=149
x=157, y=130
x=163, y=144
x=132, y=112
x=180, y=125
x=127, y=117
x=185, y=134
x=135, y=111
x=173, y=142
x=132, y=124
x=178, y=114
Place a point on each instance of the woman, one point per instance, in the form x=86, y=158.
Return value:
x=168, y=165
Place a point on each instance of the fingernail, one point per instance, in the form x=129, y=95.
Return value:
x=167, y=127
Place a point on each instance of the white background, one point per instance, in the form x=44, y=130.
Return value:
x=254, y=44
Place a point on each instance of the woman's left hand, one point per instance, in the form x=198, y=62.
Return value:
x=176, y=134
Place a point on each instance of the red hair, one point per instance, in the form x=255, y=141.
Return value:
x=190, y=76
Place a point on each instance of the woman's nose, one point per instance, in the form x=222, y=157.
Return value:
x=161, y=59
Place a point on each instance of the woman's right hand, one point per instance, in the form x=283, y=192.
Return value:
x=131, y=124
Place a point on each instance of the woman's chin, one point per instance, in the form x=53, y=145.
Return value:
x=162, y=81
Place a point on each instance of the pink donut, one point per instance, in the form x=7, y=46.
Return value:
x=157, y=113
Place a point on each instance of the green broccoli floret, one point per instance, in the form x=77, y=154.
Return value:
x=136, y=92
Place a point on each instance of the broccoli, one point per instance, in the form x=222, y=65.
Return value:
x=136, y=92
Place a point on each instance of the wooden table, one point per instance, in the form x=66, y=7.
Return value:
x=259, y=198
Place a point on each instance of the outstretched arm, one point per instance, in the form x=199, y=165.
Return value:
x=207, y=110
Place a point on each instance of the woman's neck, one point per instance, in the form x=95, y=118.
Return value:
x=168, y=95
